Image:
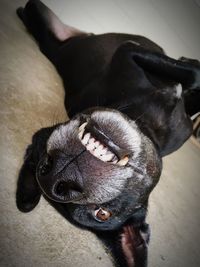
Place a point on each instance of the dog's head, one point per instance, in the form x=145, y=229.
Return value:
x=100, y=166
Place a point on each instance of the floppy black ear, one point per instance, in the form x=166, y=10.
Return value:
x=185, y=71
x=128, y=245
x=28, y=192
x=145, y=72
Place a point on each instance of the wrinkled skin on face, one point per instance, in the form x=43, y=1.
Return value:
x=69, y=173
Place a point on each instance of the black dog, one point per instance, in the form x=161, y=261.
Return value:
x=127, y=111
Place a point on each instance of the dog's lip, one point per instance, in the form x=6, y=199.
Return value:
x=96, y=131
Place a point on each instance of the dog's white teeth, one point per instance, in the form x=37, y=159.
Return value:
x=97, y=144
x=86, y=138
x=91, y=140
x=105, y=150
x=82, y=127
x=96, y=153
x=100, y=150
x=101, y=147
x=107, y=157
x=80, y=135
x=81, y=130
x=91, y=144
x=97, y=149
x=123, y=161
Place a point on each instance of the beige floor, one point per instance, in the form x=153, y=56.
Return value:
x=31, y=97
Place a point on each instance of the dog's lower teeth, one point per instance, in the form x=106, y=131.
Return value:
x=107, y=157
x=97, y=144
x=82, y=127
x=94, y=146
x=81, y=130
x=97, y=149
x=123, y=161
x=86, y=138
x=90, y=146
x=100, y=150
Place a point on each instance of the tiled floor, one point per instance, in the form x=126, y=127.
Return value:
x=31, y=94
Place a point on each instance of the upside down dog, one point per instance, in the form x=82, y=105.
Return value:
x=129, y=105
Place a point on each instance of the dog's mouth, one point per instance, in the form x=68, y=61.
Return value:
x=100, y=145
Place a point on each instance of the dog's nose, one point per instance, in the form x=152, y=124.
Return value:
x=59, y=189
x=67, y=191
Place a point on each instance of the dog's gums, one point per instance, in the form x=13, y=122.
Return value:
x=99, y=149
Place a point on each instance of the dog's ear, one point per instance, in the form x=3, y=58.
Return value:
x=185, y=71
x=128, y=245
x=28, y=192
x=133, y=63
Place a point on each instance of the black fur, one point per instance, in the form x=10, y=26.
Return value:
x=130, y=77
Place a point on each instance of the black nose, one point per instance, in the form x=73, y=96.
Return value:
x=68, y=191
x=51, y=183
